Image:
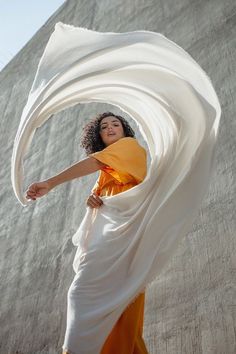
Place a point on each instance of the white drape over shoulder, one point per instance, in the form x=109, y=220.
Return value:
x=124, y=245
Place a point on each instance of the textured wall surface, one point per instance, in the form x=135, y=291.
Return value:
x=191, y=307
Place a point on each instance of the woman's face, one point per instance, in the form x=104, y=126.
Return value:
x=111, y=130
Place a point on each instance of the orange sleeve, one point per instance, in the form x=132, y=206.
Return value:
x=125, y=160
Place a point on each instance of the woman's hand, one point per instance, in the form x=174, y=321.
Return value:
x=94, y=201
x=37, y=190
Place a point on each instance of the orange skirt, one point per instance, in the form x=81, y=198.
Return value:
x=126, y=335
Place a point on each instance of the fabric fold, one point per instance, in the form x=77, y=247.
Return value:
x=125, y=244
x=119, y=158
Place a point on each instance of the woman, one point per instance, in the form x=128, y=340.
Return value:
x=111, y=148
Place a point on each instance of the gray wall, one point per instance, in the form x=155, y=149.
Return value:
x=191, y=307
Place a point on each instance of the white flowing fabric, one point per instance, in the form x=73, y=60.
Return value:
x=125, y=244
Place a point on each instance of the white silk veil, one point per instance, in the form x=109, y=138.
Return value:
x=125, y=244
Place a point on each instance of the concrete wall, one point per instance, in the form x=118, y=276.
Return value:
x=191, y=307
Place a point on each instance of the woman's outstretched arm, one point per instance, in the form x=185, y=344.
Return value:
x=82, y=168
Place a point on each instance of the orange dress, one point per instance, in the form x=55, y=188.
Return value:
x=125, y=167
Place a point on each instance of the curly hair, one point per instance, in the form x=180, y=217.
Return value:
x=91, y=140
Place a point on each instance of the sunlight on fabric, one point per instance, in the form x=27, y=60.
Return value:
x=174, y=103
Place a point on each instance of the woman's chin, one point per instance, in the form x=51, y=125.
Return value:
x=112, y=140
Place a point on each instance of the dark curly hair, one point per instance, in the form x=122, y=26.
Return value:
x=91, y=140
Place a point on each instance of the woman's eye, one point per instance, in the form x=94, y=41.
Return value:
x=114, y=125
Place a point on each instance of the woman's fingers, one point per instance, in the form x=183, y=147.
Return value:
x=37, y=190
x=94, y=201
x=30, y=194
x=97, y=199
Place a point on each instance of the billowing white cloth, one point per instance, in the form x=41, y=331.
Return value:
x=125, y=244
